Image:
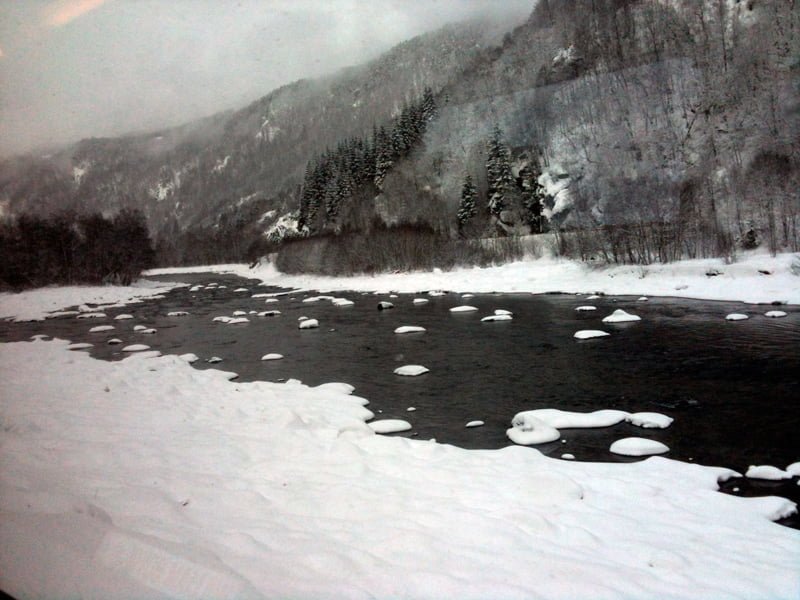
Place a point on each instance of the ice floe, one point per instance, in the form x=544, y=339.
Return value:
x=411, y=370
x=272, y=356
x=620, y=316
x=101, y=328
x=409, y=329
x=587, y=334
x=585, y=308
x=136, y=348
x=463, y=309
x=766, y=472
x=502, y=311
x=474, y=424
x=775, y=314
x=308, y=324
x=389, y=425
x=736, y=317
x=636, y=446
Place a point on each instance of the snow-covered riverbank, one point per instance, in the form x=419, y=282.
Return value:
x=754, y=278
x=147, y=478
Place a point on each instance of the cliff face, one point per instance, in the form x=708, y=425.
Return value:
x=630, y=110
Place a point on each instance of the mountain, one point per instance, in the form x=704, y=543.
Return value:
x=674, y=122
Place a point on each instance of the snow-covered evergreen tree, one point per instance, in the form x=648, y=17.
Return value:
x=467, y=209
x=533, y=195
x=498, y=173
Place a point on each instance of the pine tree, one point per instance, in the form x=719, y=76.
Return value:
x=429, y=108
x=533, y=196
x=467, y=208
x=498, y=173
x=383, y=157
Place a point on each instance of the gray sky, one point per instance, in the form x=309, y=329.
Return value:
x=79, y=68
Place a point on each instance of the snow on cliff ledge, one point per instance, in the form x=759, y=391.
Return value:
x=147, y=478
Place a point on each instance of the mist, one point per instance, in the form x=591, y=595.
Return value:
x=72, y=69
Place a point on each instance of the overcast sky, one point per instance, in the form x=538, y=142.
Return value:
x=79, y=68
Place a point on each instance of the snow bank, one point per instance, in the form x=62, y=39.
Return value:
x=686, y=279
x=148, y=478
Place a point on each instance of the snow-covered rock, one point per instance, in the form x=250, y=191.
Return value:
x=123, y=317
x=474, y=424
x=222, y=319
x=389, y=426
x=568, y=456
x=436, y=293
x=642, y=299
x=649, y=420
x=177, y=313
x=238, y=321
x=214, y=360
x=342, y=302
x=588, y=334
x=775, y=314
x=147, y=331
x=411, y=370
x=620, y=316
x=101, y=328
x=766, y=472
x=502, y=311
x=269, y=313
x=239, y=313
x=636, y=446
x=419, y=301
x=136, y=348
x=114, y=341
x=271, y=300
x=272, y=356
x=464, y=308
x=92, y=315
x=189, y=357
x=138, y=328
x=493, y=318
x=736, y=317
x=308, y=324
x=585, y=308
x=794, y=469
x=409, y=329
x=385, y=305
x=527, y=430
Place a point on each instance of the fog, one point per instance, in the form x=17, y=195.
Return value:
x=81, y=68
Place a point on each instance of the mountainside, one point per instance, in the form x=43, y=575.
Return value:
x=678, y=114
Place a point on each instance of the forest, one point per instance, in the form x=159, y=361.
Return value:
x=71, y=248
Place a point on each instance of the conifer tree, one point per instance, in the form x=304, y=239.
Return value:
x=533, y=196
x=498, y=173
x=467, y=208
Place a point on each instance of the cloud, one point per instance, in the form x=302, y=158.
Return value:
x=61, y=12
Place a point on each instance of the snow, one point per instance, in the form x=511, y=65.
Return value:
x=587, y=334
x=474, y=424
x=237, y=321
x=260, y=295
x=342, y=302
x=741, y=280
x=767, y=472
x=271, y=300
x=527, y=430
x=114, y=341
x=435, y=293
x=240, y=290
x=585, y=308
x=385, y=305
x=101, y=328
x=308, y=324
x=635, y=446
x=136, y=348
x=178, y=313
x=593, y=297
x=80, y=346
x=139, y=327
x=642, y=299
x=493, y=318
x=501, y=311
x=147, y=331
x=568, y=456
x=123, y=317
x=189, y=357
x=736, y=317
x=649, y=420
x=463, y=309
x=239, y=313
x=775, y=314
x=419, y=301
x=409, y=329
x=108, y=490
x=222, y=319
x=92, y=315
x=272, y=356
x=269, y=313
x=389, y=425
x=620, y=316
x=411, y=409
x=214, y=360
x=411, y=370
x=794, y=469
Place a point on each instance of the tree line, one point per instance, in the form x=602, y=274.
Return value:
x=74, y=248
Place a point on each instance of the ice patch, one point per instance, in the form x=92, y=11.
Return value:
x=620, y=316
x=411, y=370
x=588, y=334
x=766, y=472
x=389, y=425
x=409, y=329
x=308, y=324
x=635, y=446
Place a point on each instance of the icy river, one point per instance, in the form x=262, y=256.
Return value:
x=731, y=387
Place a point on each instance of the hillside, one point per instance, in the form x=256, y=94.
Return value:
x=656, y=129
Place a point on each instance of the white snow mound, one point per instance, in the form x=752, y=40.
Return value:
x=463, y=308
x=775, y=314
x=101, y=328
x=636, y=446
x=474, y=424
x=736, y=317
x=409, y=329
x=411, y=370
x=620, y=316
x=136, y=348
x=585, y=308
x=420, y=301
x=389, y=425
x=766, y=472
x=308, y=324
x=494, y=318
x=588, y=334
x=272, y=356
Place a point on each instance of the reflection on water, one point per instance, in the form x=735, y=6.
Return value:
x=729, y=385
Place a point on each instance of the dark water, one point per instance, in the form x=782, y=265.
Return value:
x=732, y=387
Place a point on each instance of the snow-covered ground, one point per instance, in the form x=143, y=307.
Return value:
x=754, y=278
x=146, y=478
